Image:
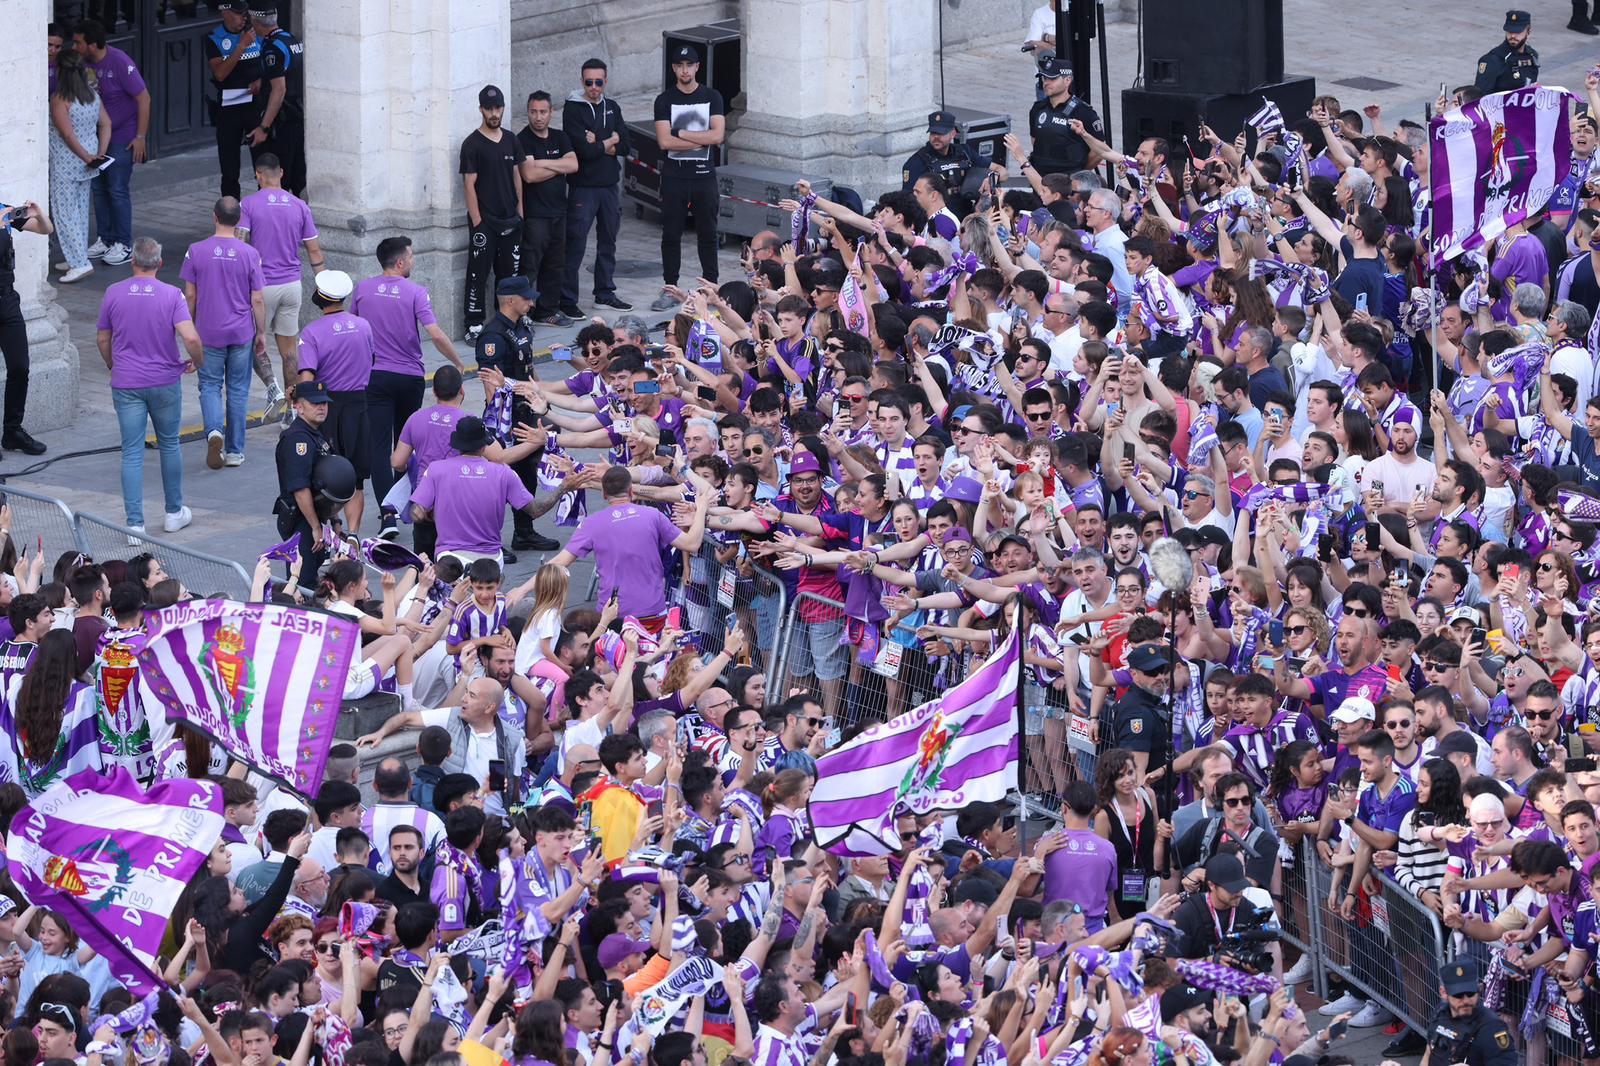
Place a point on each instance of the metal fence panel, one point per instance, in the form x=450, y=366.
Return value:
x=201, y=574
x=718, y=589
x=38, y=520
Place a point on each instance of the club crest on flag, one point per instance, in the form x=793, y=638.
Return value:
x=232, y=676
x=101, y=867
x=923, y=777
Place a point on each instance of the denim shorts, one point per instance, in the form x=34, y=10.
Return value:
x=815, y=650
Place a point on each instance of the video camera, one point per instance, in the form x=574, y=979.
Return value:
x=1245, y=942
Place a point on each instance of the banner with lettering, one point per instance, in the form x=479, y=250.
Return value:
x=114, y=858
x=264, y=680
x=1494, y=163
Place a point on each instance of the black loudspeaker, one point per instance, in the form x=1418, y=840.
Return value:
x=719, y=43
x=1176, y=115
x=1225, y=46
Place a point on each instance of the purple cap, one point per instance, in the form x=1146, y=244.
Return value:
x=805, y=462
x=1409, y=415
x=965, y=489
x=958, y=533
x=616, y=947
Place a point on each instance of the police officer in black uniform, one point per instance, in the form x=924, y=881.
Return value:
x=1056, y=148
x=27, y=217
x=281, y=98
x=953, y=160
x=233, y=54
x=1463, y=1030
x=300, y=447
x=1515, y=64
x=1139, y=721
x=506, y=345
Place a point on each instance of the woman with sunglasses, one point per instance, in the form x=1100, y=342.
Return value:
x=341, y=975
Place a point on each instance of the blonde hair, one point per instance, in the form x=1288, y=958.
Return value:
x=549, y=590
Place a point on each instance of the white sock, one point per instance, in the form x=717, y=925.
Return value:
x=408, y=699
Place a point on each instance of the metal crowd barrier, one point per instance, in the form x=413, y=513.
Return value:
x=715, y=593
x=1300, y=927
x=39, y=519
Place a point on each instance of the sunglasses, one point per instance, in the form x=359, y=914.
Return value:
x=831, y=347
x=1191, y=494
x=863, y=399
x=907, y=838
x=1541, y=716
x=1295, y=631
x=1236, y=801
x=737, y=860
x=1037, y=416
x=1438, y=666
x=330, y=948
x=592, y=82
x=1545, y=568
x=755, y=452
x=1357, y=612
x=1398, y=725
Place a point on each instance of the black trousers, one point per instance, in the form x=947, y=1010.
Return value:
x=291, y=523
x=391, y=399
x=14, y=346
x=288, y=143
x=544, y=259
x=346, y=429
x=233, y=124
x=494, y=246
x=678, y=196
x=424, y=536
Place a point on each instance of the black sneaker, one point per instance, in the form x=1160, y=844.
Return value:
x=572, y=311
x=552, y=318
x=535, y=542
x=389, y=527
x=611, y=299
x=1409, y=1042
x=18, y=440
x=507, y=556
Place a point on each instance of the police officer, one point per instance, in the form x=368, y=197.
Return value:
x=951, y=159
x=299, y=448
x=506, y=345
x=1514, y=65
x=280, y=99
x=1463, y=1029
x=1056, y=148
x=28, y=217
x=1139, y=721
x=233, y=54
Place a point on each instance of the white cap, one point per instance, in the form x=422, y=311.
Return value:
x=334, y=284
x=1354, y=709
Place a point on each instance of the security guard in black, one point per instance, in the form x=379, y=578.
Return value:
x=952, y=160
x=233, y=56
x=1463, y=1030
x=1057, y=149
x=1139, y=721
x=299, y=448
x=1513, y=65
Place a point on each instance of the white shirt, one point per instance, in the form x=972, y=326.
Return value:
x=546, y=626
x=1042, y=22
x=480, y=746
x=1574, y=361
x=323, y=847
x=1402, y=482
x=1064, y=349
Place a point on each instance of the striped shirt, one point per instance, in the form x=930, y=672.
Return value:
x=900, y=461
x=773, y=1048
x=925, y=496
x=381, y=819
x=472, y=622
x=1160, y=299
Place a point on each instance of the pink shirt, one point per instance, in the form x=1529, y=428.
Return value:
x=224, y=272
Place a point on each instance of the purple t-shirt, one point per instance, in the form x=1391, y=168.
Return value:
x=142, y=314
x=627, y=541
x=1385, y=813
x=120, y=84
x=278, y=222
x=338, y=347
x=224, y=272
x=428, y=432
x=1523, y=258
x=1085, y=871
x=396, y=307
x=1333, y=687
x=468, y=496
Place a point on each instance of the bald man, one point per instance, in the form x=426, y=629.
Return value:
x=391, y=780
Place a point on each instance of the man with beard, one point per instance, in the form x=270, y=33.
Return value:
x=1400, y=477
x=522, y=704
x=404, y=883
x=1357, y=648
x=492, y=172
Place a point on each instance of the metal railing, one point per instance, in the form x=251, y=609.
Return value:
x=49, y=521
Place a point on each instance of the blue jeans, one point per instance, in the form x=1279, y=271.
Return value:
x=113, y=206
x=227, y=368
x=162, y=407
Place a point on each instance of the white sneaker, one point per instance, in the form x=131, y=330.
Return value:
x=116, y=255
x=214, y=449
x=1371, y=1016
x=1300, y=972
x=97, y=249
x=76, y=275
x=233, y=458
x=277, y=402
x=1347, y=1002
x=178, y=519
x=135, y=536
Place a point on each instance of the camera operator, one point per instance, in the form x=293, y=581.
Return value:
x=1207, y=918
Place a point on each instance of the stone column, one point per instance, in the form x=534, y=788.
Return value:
x=25, y=175
x=391, y=91
x=837, y=87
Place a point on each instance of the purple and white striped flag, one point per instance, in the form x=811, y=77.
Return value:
x=853, y=305
x=264, y=680
x=1578, y=506
x=1494, y=163
x=957, y=749
x=1267, y=120
x=115, y=858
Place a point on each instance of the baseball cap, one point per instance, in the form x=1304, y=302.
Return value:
x=516, y=285
x=1179, y=998
x=974, y=890
x=958, y=533
x=334, y=284
x=941, y=122
x=1149, y=659
x=1055, y=67
x=1010, y=538
x=1461, y=976
x=1457, y=742
x=805, y=462
x=236, y=6
x=1465, y=614
x=1354, y=709
x=964, y=490
x=312, y=391
x=685, y=54
x=1227, y=873
x=491, y=96
x=1517, y=21
x=618, y=946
